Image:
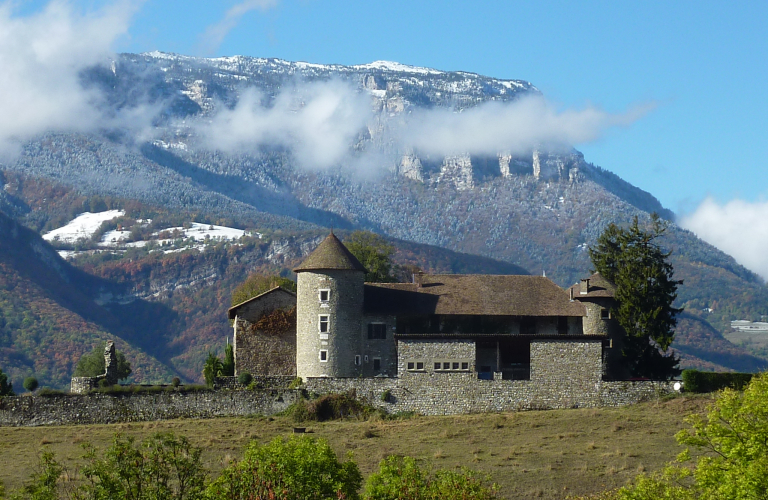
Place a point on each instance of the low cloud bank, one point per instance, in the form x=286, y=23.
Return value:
x=321, y=121
x=738, y=228
x=41, y=59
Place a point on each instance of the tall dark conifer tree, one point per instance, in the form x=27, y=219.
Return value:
x=645, y=291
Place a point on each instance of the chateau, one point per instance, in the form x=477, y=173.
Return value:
x=441, y=344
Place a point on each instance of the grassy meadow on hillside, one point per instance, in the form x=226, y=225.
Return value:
x=536, y=454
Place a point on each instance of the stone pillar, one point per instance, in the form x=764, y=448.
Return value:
x=110, y=362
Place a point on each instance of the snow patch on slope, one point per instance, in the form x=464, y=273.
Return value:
x=82, y=227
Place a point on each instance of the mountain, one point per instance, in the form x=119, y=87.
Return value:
x=532, y=211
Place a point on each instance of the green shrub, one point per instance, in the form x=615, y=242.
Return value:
x=386, y=396
x=401, y=477
x=6, y=388
x=104, y=384
x=162, y=466
x=296, y=383
x=731, y=456
x=30, y=384
x=176, y=381
x=300, y=467
x=228, y=366
x=245, y=378
x=213, y=368
x=698, y=381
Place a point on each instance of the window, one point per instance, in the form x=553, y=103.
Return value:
x=358, y=361
x=413, y=365
x=325, y=295
x=376, y=364
x=605, y=314
x=324, y=323
x=323, y=355
x=457, y=365
x=377, y=330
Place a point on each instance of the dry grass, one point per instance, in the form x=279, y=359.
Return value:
x=537, y=454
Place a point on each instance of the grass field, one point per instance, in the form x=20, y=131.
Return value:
x=536, y=454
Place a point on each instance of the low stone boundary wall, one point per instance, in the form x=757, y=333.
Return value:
x=459, y=393
x=127, y=407
x=445, y=394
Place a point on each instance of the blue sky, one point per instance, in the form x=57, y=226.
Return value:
x=702, y=64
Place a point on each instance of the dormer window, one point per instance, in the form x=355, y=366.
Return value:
x=324, y=296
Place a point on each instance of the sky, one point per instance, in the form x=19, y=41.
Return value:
x=696, y=69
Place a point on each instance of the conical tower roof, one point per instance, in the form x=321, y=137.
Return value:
x=330, y=254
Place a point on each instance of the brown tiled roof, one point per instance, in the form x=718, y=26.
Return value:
x=330, y=254
x=472, y=294
x=232, y=311
x=598, y=287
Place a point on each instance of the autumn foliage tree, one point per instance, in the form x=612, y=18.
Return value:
x=256, y=284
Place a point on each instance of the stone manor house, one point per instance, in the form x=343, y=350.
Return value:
x=441, y=344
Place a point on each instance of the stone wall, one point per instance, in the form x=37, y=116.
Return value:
x=564, y=374
x=264, y=353
x=106, y=408
x=462, y=393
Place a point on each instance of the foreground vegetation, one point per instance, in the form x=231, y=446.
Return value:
x=541, y=454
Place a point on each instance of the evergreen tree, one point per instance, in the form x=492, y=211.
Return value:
x=228, y=366
x=645, y=291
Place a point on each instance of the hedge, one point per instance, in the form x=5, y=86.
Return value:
x=697, y=381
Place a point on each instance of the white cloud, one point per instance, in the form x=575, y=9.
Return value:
x=216, y=33
x=515, y=127
x=320, y=121
x=41, y=58
x=738, y=228
x=317, y=121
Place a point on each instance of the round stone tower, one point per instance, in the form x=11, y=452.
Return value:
x=329, y=311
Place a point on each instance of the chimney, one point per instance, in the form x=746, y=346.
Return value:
x=570, y=290
x=417, y=277
x=585, y=286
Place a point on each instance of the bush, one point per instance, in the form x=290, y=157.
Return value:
x=697, y=381
x=298, y=467
x=245, y=378
x=731, y=458
x=162, y=466
x=213, y=368
x=176, y=381
x=386, y=396
x=6, y=388
x=296, y=383
x=30, y=384
x=401, y=477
